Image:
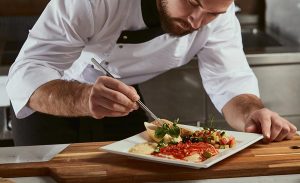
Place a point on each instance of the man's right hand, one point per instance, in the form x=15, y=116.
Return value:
x=110, y=97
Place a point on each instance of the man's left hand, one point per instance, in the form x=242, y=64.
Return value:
x=271, y=125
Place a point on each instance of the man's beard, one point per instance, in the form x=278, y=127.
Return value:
x=173, y=26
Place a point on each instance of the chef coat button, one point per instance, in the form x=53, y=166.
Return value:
x=125, y=37
x=106, y=63
x=120, y=46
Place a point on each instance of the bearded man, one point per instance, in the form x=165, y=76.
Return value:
x=58, y=96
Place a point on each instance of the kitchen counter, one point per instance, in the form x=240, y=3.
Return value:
x=269, y=56
x=86, y=163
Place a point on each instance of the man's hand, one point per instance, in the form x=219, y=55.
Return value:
x=110, y=97
x=270, y=124
x=107, y=97
x=247, y=113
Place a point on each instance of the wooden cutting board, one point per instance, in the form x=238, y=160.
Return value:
x=86, y=163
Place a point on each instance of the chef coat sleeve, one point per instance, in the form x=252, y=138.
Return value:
x=222, y=62
x=53, y=44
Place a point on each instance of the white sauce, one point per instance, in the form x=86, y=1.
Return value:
x=145, y=148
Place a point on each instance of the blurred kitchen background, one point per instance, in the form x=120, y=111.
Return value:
x=271, y=37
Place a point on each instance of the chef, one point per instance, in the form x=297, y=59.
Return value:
x=59, y=96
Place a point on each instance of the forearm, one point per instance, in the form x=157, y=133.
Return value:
x=62, y=98
x=238, y=109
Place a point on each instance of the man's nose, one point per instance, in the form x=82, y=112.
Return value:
x=195, y=19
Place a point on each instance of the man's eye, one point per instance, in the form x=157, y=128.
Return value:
x=194, y=2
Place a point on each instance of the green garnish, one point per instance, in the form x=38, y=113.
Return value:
x=160, y=132
x=207, y=154
x=160, y=145
x=173, y=131
x=210, y=123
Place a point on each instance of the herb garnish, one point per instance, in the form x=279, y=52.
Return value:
x=161, y=144
x=173, y=130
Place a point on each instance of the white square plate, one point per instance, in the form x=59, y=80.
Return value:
x=122, y=147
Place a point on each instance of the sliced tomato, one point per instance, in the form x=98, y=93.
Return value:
x=231, y=142
x=224, y=140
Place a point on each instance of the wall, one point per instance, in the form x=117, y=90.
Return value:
x=282, y=19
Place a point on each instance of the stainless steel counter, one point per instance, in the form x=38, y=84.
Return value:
x=265, y=59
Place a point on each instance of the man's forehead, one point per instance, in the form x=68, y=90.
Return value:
x=215, y=5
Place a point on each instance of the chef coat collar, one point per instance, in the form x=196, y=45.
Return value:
x=150, y=13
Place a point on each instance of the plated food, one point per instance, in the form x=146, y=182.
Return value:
x=174, y=141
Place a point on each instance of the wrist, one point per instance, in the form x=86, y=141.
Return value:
x=84, y=100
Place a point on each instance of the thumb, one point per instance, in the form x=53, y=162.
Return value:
x=251, y=127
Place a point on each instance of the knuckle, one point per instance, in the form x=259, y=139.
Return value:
x=277, y=125
x=285, y=130
x=102, y=79
x=116, y=96
x=119, y=86
x=119, y=98
x=265, y=110
x=114, y=106
x=129, y=103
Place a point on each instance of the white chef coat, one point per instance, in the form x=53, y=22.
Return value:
x=70, y=32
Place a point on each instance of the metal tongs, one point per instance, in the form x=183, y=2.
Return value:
x=143, y=106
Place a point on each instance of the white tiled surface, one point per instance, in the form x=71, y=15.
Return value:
x=4, y=101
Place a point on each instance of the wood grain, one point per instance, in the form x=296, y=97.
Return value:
x=86, y=163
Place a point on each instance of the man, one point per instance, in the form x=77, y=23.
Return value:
x=53, y=75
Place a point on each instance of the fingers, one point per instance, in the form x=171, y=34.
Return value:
x=118, y=98
x=261, y=118
x=117, y=91
x=277, y=127
x=273, y=126
x=265, y=125
x=111, y=105
x=293, y=130
x=251, y=127
x=106, y=113
x=110, y=97
x=286, y=130
x=117, y=85
x=280, y=129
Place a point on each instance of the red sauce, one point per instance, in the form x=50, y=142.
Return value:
x=182, y=150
